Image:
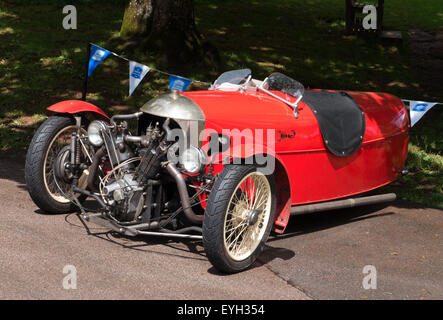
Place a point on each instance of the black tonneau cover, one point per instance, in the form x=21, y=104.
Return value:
x=341, y=120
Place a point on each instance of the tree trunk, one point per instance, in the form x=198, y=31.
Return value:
x=167, y=27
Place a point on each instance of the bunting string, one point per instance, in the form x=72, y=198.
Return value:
x=137, y=71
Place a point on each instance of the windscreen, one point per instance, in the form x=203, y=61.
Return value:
x=279, y=82
x=237, y=77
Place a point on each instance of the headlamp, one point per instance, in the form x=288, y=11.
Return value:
x=94, y=132
x=193, y=159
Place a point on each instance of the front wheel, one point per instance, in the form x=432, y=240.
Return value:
x=51, y=138
x=238, y=218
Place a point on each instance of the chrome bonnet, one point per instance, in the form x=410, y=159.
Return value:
x=174, y=106
x=183, y=110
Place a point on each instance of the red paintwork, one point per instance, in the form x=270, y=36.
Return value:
x=314, y=173
x=76, y=106
x=306, y=171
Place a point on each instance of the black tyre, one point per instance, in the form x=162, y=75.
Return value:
x=238, y=218
x=48, y=141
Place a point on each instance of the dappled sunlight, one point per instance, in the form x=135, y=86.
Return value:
x=6, y=14
x=5, y=31
x=271, y=65
x=265, y=49
x=311, y=35
x=14, y=125
x=69, y=94
x=397, y=84
x=41, y=63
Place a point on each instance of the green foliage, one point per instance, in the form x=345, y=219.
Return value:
x=63, y=2
x=41, y=63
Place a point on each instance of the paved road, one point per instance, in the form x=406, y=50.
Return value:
x=329, y=250
x=321, y=256
x=36, y=247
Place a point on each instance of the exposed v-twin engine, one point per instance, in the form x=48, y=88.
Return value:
x=124, y=189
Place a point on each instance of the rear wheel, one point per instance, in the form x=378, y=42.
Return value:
x=238, y=217
x=49, y=142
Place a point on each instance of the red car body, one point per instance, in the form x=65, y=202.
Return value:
x=305, y=170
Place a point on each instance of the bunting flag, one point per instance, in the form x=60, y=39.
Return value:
x=417, y=109
x=97, y=56
x=137, y=72
x=179, y=83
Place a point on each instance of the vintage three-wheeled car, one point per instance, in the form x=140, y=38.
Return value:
x=227, y=165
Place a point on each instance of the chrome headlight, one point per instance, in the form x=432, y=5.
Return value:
x=193, y=159
x=94, y=132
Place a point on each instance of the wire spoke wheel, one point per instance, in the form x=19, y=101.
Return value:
x=247, y=216
x=238, y=217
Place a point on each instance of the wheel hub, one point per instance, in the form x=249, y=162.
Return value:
x=253, y=216
x=61, y=164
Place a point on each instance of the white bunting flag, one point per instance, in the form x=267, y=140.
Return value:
x=137, y=72
x=417, y=109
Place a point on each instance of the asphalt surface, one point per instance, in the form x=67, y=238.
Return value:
x=35, y=248
x=321, y=256
x=325, y=254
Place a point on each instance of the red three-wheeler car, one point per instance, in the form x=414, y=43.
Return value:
x=227, y=165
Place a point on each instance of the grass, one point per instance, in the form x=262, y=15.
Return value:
x=41, y=63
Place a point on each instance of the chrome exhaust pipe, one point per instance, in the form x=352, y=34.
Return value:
x=342, y=204
x=184, y=195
